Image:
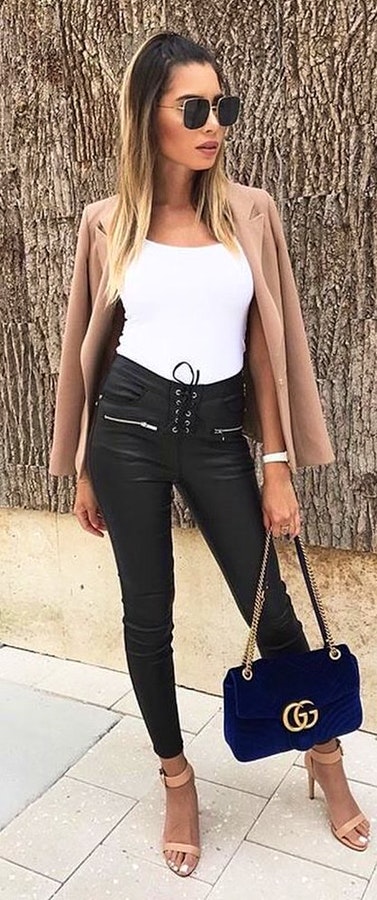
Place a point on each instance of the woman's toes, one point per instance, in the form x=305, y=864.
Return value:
x=184, y=869
x=176, y=859
x=358, y=837
x=183, y=863
x=362, y=830
x=188, y=865
x=361, y=839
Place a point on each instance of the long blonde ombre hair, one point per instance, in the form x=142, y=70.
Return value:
x=145, y=80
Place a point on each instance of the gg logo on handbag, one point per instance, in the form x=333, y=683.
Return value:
x=300, y=717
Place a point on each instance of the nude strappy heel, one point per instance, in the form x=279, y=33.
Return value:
x=342, y=832
x=175, y=781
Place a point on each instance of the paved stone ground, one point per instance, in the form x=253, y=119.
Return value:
x=81, y=805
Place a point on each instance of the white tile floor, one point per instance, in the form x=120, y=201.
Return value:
x=94, y=834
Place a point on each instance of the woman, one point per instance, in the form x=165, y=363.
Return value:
x=200, y=266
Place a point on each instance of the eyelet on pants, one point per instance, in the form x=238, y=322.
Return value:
x=138, y=448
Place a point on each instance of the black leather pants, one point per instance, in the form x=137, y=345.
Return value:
x=147, y=434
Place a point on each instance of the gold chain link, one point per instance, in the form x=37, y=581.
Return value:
x=248, y=656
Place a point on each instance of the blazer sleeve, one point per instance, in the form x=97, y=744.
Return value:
x=70, y=386
x=307, y=420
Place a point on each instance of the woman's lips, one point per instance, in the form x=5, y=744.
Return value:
x=208, y=149
x=208, y=145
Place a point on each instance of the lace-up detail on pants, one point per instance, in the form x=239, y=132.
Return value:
x=184, y=402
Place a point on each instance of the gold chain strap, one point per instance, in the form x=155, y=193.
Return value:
x=248, y=656
x=334, y=652
x=257, y=612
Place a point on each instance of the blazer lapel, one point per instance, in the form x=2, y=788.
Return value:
x=249, y=223
x=250, y=228
x=101, y=243
x=250, y=235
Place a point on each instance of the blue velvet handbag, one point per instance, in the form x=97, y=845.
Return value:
x=294, y=700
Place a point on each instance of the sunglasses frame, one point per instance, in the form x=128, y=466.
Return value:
x=213, y=106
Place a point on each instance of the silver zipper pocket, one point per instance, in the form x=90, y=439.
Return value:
x=132, y=422
x=225, y=430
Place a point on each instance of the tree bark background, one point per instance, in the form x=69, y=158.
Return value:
x=307, y=76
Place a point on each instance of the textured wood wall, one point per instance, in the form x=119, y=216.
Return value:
x=307, y=75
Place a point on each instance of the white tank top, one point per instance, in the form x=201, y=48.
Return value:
x=187, y=304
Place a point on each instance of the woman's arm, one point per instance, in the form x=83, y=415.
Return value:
x=70, y=387
x=279, y=501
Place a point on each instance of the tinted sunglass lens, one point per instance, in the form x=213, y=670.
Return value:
x=196, y=112
x=228, y=110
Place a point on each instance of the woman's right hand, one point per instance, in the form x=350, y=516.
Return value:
x=87, y=510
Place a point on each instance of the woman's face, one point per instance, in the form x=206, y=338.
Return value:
x=176, y=142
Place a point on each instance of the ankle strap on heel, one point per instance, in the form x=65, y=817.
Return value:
x=175, y=781
x=328, y=758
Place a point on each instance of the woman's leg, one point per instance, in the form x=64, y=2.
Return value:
x=138, y=519
x=135, y=500
x=220, y=487
x=137, y=510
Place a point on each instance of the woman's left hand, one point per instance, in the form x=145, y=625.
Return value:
x=280, y=507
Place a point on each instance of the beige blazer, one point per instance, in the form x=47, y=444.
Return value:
x=92, y=332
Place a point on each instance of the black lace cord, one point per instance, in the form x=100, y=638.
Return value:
x=185, y=397
x=194, y=378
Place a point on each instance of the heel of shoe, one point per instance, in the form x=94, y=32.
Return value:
x=311, y=779
x=311, y=785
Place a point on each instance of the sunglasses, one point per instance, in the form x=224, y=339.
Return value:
x=197, y=109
